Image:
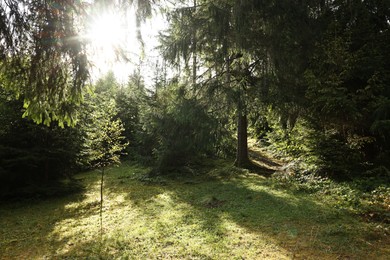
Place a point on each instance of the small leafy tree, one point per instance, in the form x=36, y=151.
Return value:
x=104, y=142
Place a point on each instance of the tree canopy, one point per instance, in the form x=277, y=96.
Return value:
x=43, y=50
x=43, y=58
x=308, y=79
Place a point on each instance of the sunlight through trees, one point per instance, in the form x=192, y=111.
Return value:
x=220, y=110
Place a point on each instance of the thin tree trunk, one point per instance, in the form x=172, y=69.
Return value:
x=101, y=204
x=194, y=49
x=194, y=64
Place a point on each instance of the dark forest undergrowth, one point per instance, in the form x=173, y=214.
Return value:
x=221, y=212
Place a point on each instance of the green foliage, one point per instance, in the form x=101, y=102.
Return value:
x=344, y=114
x=327, y=152
x=328, y=91
x=134, y=108
x=367, y=196
x=31, y=153
x=103, y=142
x=380, y=127
x=107, y=85
x=335, y=156
x=42, y=59
x=34, y=155
x=312, y=77
x=184, y=129
x=43, y=51
x=347, y=82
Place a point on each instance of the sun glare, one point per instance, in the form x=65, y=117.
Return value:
x=111, y=35
x=107, y=31
x=107, y=34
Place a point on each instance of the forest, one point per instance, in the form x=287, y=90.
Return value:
x=264, y=132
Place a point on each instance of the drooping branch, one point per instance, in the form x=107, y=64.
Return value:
x=43, y=56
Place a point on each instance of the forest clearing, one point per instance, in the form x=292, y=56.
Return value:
x=226, y=213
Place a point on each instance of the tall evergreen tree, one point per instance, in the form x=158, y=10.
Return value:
x=41, y=56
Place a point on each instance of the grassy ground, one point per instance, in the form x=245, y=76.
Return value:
x=229, y=214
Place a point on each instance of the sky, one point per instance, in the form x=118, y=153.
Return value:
x=107, y=31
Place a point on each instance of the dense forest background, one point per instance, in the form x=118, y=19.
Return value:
x=307, y=79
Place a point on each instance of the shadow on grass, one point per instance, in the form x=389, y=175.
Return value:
x=30, y=222
x=174, y=214
x=255, y=167
x=196, y=217
x=304, y=227
x=262, y=159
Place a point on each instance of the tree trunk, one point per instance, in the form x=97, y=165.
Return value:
x=242, y=159
x=101, y=204
x=194, y=49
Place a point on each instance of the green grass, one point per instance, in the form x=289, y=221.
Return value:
x=226, y=214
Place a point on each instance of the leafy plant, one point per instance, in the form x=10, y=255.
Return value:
x=104, y=142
